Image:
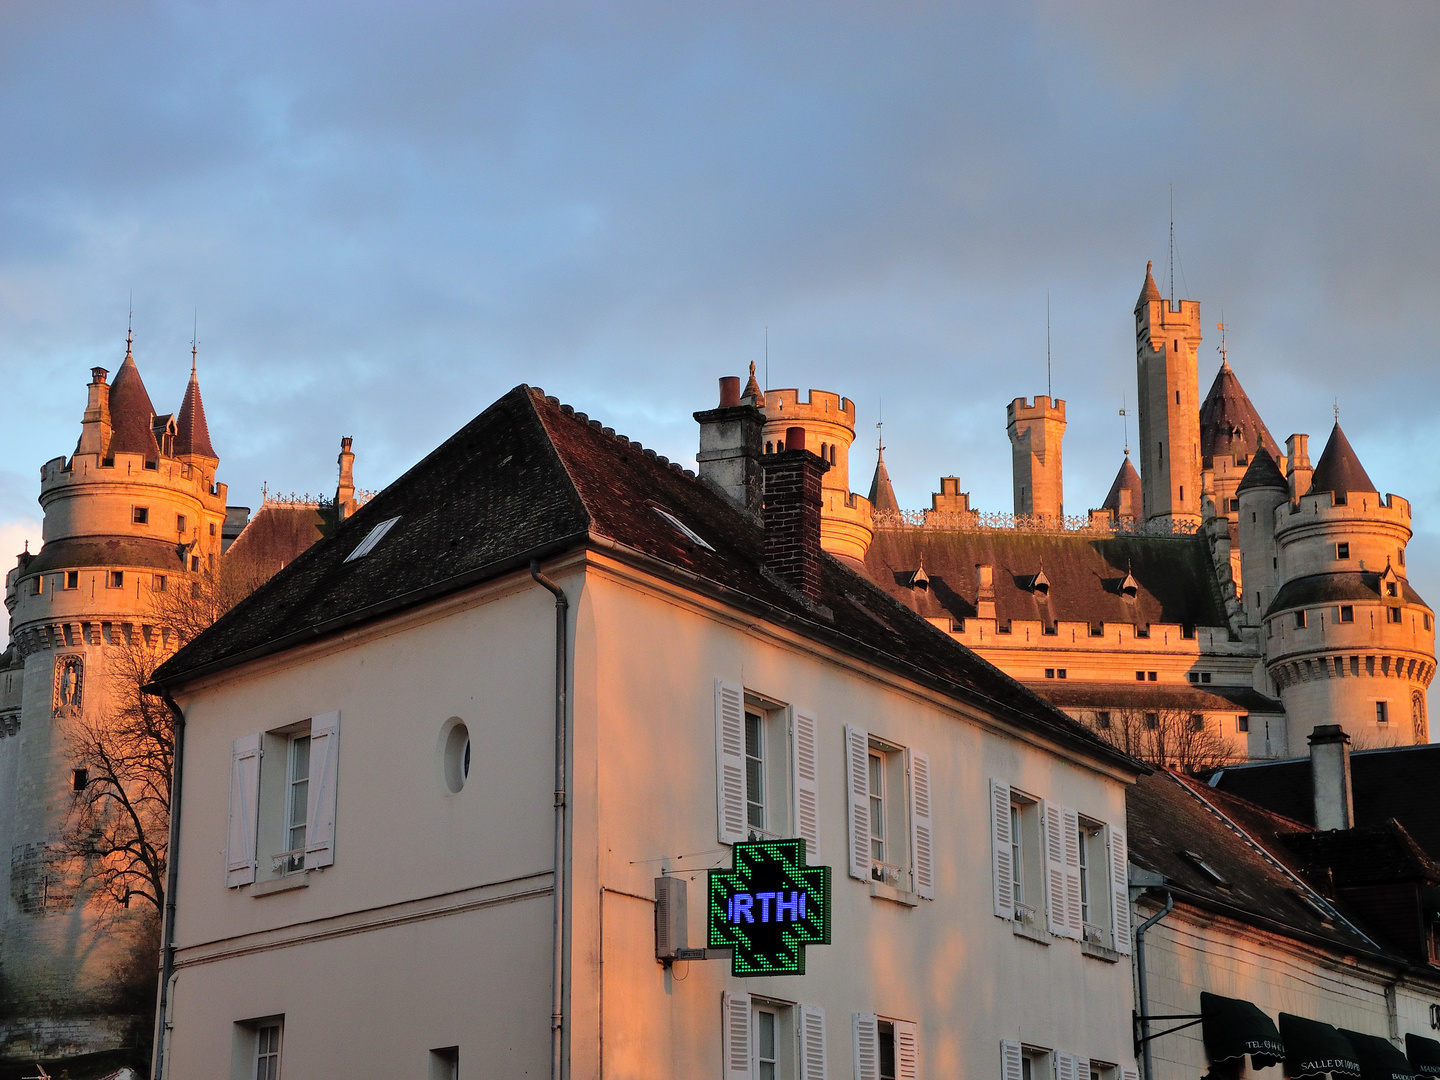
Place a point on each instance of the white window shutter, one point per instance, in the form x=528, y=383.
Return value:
x=1074, y=923
x=1119, y=890
x=866, y=1030
x=1054, y=844
x=1001, y=857
x=1129, y=1073
x=857, y=777
x=812, y=1042
x=907, y=1050
x=1067, y=1066
x=730, y=760
x=244, y=811
x=805, y=754
x=735, y=1021
x=324, y=771
x=922, y=834
x=1012, y=1064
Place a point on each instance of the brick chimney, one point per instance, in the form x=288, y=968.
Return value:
x=95, y=427
x=792, y=513
x=1330, y=777
x=1297, y=452
x=729, y=457
x=345, y=490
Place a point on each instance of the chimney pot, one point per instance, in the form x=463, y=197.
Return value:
x=794, y=438
x=729, y=391
x=1330, y=777
x=97, y=375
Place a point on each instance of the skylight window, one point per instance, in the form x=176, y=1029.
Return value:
x=368, y=544
x=1206, y=869
x=688, y=532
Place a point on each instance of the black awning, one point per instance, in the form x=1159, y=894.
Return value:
x=1380, y=1059
x=1313, y=1049
x=1233, y=1028
x=1424, y=1055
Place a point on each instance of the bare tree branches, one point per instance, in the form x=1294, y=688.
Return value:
x=1171, y=737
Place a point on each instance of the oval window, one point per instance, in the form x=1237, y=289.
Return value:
x=457, y=756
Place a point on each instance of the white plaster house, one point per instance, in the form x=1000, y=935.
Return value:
x=418, y=830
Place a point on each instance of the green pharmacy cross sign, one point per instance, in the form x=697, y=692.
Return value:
x=769, y=907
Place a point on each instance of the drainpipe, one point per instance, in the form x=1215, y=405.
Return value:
x=557, y=1001
x=172, y=872
x=1144, y=1002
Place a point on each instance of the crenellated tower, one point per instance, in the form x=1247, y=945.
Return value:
x=1167, y=336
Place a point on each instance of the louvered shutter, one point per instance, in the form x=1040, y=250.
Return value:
x=244, y=811
x=1001, y=856
x=1129, y=1073
x=324, y=770
x=866, y=1030
x=1051, y=817
x=857, y=778
x=730, y=760
x=812, y=1042
x=1119, y=890
x=735, y=1022
x=907, y=1051
x=1067, y=1066
x=1012, y=1065
x=922, y=835
x=805, y=753
x=1070, y=831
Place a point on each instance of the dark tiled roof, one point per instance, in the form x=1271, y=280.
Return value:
x=1127, y=479
x=529, y=478
x=1366, y=854
x=1334, y=588
x=1173, y=820
x=1078, y=694
x=1339, y=469
x=1230, y=425
x=192, y=435
x=1176, y=581
x=130, y=414
x=882, y=494
x=1262, y=473
x=1395, y=782
x=1149, y=291
x=274, y=538
x=117, y=551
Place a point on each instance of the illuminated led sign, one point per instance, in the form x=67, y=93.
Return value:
x=768, y=907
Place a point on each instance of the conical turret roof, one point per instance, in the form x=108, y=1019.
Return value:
x=1262, y=473
x=131, y=413
x=882, y=494
x=1229, y=422
x=192, y=433
x=1339, y=469
x=1127, y=479
x=1150, y=291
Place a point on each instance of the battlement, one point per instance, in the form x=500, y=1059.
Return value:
x=1162, y=313
x=1043, y=408
x=822, y=405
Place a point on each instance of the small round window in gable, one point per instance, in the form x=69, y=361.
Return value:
x=455, y=751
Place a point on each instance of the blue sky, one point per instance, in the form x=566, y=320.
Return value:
x=387, y=215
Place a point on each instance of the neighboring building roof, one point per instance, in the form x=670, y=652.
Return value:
x=1262, y=473
x=530, y=479
x=1393, y=782
x=1081, y=694
x=274, y=538
x=1149, y=291
x=131, y=413
x=882, y=494
x=1127, y=479
x=1230, y=425
x=1366, y=854
x=1175, y=579
x=1339, y=469
x=192, y=435
x=1320, y=589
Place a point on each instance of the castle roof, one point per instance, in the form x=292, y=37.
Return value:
x=274, y=538
x=1229, y=422
x=532, y=479
x=1321, y=589
x=1339, y=469
x=192, y=434
x=882, y=493
x=1175, y=582
x=1150, y=291
x=1262, y=473
x=131, y=413
x=1127, y=479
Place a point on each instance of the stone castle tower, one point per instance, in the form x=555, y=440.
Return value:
x=1167, y=337
x=134, y=512
x=1035, y=433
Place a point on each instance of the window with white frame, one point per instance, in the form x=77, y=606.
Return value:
x=257, y=1049
x=890, y=821
x=282, y=801
x=769, y=1039
x=885, y=1048
x=767, y=769
x=1096, y=892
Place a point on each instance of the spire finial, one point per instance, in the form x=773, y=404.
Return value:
x=1224, y=356
x=880, y=429
x=1125, y=423
x=1048, y=392
x=130, y=327
x=194, y=342
x=1337, y=412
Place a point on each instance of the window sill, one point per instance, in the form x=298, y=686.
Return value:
x=300, y=880
x=1099, y=952
x=881, y=891
x=1032, y=933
